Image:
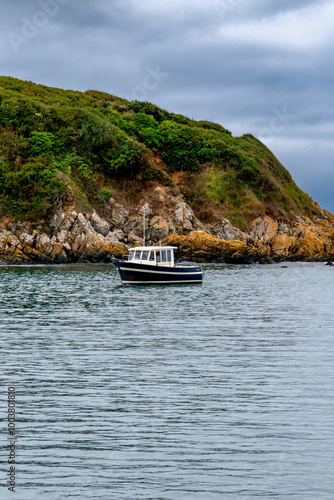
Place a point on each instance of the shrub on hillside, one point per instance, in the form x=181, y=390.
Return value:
x=41, y=143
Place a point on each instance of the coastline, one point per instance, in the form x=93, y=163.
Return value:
x=69, y=237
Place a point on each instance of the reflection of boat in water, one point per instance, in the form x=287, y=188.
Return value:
x=156, y=266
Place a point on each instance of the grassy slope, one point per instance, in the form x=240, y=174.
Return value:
x=58, y=145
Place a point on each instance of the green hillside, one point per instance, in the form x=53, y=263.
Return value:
x=57, y=145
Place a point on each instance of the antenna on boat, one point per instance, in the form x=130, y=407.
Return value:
x=144, y=226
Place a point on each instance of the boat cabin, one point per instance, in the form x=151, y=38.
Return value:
x=156, y=256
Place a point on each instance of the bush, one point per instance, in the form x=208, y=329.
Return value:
x=106, y=194
x=96, y=132
x=148, y=109
x=128, y=158
x=177, y=143
x=41, y=143
x=30, y=189
x=141, y=120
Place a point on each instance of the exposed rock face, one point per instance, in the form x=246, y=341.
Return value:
x=226, y=231
x=268, y=240
x=74, y=237
x=101, y=226
x=69, y=237
x=160, y=229
x=200, y=246
x=263, y=229
x=283, y=245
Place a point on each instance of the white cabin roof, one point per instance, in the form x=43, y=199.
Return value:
x=153, y=248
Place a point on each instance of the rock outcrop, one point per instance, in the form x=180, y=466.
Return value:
x=200, y=246
x=268, y=241
x=69, y=236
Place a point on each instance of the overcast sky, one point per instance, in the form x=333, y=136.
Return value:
x=263, y=67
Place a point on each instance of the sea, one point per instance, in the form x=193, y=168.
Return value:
x=219, y=391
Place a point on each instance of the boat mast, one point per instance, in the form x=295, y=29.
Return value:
x=144, y=226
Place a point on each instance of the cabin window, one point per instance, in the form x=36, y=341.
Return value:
x=158, y=257
x=164, y=256
x=152, y=256
x=138, y=253
x=131, y=256
x=169, y=256
x=144, y=255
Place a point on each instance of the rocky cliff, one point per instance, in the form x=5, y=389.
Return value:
x=69, y=236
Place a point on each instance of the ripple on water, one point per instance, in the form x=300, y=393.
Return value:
x=223, y=390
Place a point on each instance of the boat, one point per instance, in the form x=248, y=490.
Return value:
x=155, y=265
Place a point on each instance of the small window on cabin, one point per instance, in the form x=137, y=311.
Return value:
x=158, y=256
x=131, y=256
x=152, y=256
x=164, y=256
x=169, y=256
x=138, y=254
x=145, y=255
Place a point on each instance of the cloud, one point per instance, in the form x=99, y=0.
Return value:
x=302, y=29
x=233, y=62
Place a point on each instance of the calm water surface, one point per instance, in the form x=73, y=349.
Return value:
x=219, y=391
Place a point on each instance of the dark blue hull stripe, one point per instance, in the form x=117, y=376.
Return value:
x=177, y=273
x=136, y=274
x=189, y=282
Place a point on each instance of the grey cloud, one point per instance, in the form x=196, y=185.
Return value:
x=108, y=45
x=262, y=8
